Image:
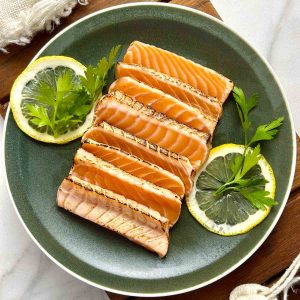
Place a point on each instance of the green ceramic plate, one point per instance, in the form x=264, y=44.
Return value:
x=196, y=257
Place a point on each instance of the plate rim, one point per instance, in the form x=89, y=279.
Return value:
x=273, y=224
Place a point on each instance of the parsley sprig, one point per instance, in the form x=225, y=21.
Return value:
x=95, y=77
x=60, y=100
x=252, y=188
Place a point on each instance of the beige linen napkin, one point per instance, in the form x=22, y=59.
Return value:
x=20, y=20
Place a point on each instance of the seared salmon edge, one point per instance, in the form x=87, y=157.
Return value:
x=115, y=212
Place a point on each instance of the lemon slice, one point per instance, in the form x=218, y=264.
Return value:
x=45, y=69
x=230, y=214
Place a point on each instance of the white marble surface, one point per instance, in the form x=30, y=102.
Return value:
x=273, y=27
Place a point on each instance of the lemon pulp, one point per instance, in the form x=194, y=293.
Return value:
x=230, y=214
x=45, y=68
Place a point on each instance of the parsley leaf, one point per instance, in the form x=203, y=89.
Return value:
x=57, y=100
x=250, y=186
x=244, y=107
x=251, y=158
x=235, y=164
x=253, y=181
x=95, y=77
x=258, y=197
x=39, y=115
x=266, y=131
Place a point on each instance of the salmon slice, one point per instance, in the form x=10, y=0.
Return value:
x=99, y=172
x=164, y=103
x=136, y=166
x=132, y=116
x=134, y=221
x=172, y=162
x=204, y=79
x=174, y=87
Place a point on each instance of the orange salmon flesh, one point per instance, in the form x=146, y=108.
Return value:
x=136, y=166
x=98, y=172
x=206, y=80
x=164, y=103
x=134, y=221
x=131, y=116
x=174, y=87
x=172, y=162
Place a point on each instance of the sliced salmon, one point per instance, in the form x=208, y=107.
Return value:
x=206, y=80
x=174, y=87
x=172, y=162
x=115, y=212
x=136, y=166
x=164, y=103
x=99, y=172
x=132, y=116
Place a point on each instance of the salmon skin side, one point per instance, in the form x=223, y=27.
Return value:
x=172, y=162
x=206, y=80
x=174, y=87
x=135, y=166
x=99, y=172
x=126, y=217
x=172, y=107
x=132, y=116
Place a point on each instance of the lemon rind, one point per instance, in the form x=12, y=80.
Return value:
x=254, y=219
x=16, y=97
